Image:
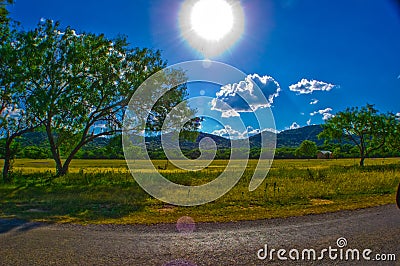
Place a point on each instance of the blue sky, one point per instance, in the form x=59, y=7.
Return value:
x=315, y=57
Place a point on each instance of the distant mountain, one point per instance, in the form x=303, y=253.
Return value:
x=286, y=138
x=291, y=137
x=255, y=140
x=221, y=142
x=33, y=139
x=294, y=137
x=40, y=139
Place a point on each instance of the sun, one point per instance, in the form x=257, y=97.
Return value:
x=211, y=26
x=211, y=19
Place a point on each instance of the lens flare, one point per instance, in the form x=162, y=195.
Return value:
x=140, y=108
x=212, y=19
x=211, y=26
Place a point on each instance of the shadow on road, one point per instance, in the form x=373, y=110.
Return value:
x=7, y=225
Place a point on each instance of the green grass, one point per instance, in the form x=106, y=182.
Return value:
x=103, y=191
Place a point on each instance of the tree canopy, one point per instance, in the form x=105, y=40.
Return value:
x=365, y=127
x=3, y=10
x=307, y=149
x=393, y=139
x=77, y=85
x=16, y=117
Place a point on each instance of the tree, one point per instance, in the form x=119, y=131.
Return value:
x=81, y=84
x=364, y=126
x=15, y=116
x=3, y=9
x=5, y=21
x=35, y=152
x=307, y=149
x=393, y=139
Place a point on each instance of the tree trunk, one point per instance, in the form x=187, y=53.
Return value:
x=65, y=166
x=7, y=163
x=54, y=150
x=362, y=160
x=7, y=160
x=362, y=153
x=64, y=170
x=6, y=170
x=9, y=154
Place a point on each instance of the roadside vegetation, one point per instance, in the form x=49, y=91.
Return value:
x=103, y=191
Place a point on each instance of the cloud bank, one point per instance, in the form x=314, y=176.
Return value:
x=229, y=132
x=324, y=112
x=234, y=98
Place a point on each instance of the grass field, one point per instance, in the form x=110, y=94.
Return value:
x=103, y=191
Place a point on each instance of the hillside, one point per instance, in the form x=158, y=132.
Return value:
x=286, y=138
x=294, y=137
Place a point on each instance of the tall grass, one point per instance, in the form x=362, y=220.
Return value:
x=104, y=191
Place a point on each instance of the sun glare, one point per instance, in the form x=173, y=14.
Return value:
x=211, y=26
x=211, y=19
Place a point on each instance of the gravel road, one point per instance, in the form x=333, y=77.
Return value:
x=237, y=243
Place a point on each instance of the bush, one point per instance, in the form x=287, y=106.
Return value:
x=35, y=152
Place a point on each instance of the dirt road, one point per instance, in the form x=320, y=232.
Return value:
x=240, y=243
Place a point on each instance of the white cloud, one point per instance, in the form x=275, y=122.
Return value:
x=100, y=125
x=321, y=111
x=397, y=116
x=12, y=112
x=75, y=34
x=273, y=130
x=229, y=113
x=314, y=101
x=327, y=116
x=306, y=86
x=234, y=98
x=309, y=122
x=252, y=131
x=229, y=132
x=294, y=126
x=324, y=112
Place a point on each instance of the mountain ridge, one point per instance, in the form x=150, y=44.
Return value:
x=285, y=138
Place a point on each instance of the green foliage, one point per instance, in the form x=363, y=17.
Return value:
x=393, y=139
x=5, y=21
x=15, y=148
x=364, y=126
x=35, y=152
x=16, y=117
x=307, y=149
x=285, y=153
x=79, y=81
x=3, y=10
